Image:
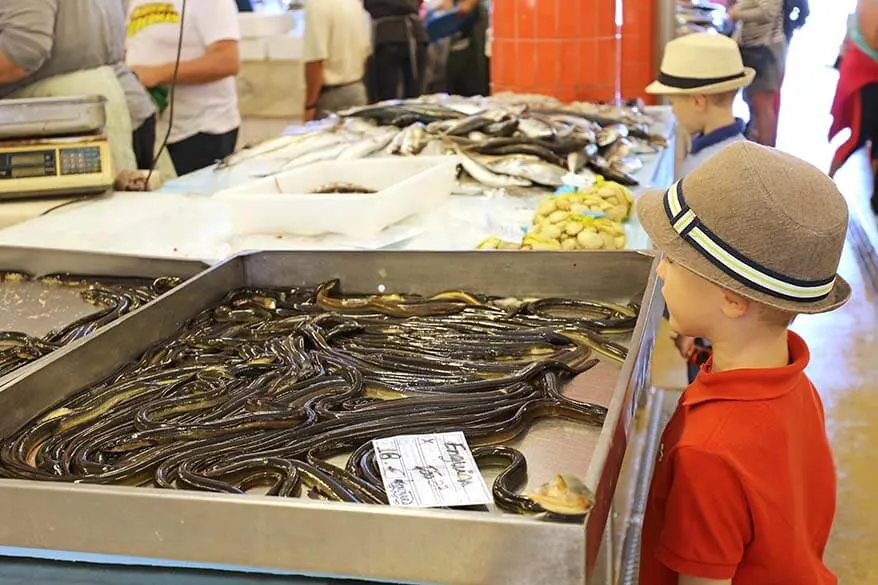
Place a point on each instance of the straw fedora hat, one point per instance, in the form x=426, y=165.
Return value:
x=701, y=63
x=757, y=222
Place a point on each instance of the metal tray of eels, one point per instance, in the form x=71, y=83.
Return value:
x=224, y=420
x=52, y=298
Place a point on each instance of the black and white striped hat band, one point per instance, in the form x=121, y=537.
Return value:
x=733, y=263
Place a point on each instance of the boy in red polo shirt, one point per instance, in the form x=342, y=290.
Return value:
x=744, y=486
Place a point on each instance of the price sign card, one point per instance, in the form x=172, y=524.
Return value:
x=430, y=471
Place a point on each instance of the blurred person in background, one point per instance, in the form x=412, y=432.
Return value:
x=851, y=23
x=795, y=14
x=467, y=64
x=55, y=48
x=763, y=48
x=856, y=98
x=205, y=95
x=438, y=46
x=399, y=39
x=335, y=63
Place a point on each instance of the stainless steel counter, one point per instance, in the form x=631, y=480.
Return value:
x=265, y=534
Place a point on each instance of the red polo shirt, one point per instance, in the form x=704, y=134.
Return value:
x=744, y=485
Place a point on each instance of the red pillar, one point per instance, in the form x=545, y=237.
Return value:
x=568, y=49
x=638, y=47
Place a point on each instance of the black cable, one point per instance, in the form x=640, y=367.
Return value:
x=170, y=116
x=171, y=97
x=70, y=202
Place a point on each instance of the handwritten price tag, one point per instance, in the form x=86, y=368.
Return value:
x=430, y=471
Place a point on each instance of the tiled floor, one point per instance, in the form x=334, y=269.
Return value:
x=843, y=344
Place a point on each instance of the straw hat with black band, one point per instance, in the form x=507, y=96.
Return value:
x=701, y=63
x=757, y=222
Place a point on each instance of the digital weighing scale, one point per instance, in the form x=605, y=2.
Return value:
x=52, y=147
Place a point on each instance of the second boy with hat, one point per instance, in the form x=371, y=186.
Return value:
x=701, y=74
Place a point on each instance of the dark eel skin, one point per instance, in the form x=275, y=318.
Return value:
x=262, y=390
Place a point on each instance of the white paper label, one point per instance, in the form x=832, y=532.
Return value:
x=430, y=471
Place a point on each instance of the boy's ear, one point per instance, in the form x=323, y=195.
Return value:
x=700, y=101
x=734, y=306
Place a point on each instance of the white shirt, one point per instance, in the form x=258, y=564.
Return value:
x=339, y=33
x=153, y=32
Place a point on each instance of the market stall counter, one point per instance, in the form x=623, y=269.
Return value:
x=497, y=195
x=98, y=501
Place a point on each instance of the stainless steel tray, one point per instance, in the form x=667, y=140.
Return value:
x=35, y=308
x=308, y=537
x=54, y=116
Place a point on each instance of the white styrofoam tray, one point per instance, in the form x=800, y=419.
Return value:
x=283, y=204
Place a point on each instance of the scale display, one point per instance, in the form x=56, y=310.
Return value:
x=82, y=160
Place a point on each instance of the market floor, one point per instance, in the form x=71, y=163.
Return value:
x=843, y=364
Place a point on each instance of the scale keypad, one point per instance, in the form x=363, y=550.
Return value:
x=84, y=160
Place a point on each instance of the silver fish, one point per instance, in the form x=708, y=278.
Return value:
x=502, y=128
x=586, y=127
x=610, y=134
x=410, y=141
x=329, y=124
x=469, y=124
x=528, y=167
x=468, y=186
x=395, y=143
x=330, y=152
x=367, y=146
x=435, y=148
x=534, y=128
x=358, y=125
x=486, y=177
x=618, y=150
x=308, y=144
x=260, y=149
x=440, y=126
x=576, y=161
x=414, y=141
x=639, y=146
x=629, y=164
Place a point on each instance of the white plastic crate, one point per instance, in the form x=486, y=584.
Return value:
x=283, y=204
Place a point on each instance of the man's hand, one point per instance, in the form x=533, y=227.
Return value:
x=10, y=72
x=151, y=75
x=310, y=114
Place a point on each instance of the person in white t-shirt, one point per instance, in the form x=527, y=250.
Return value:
x=206, y=115
x=338, y=40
